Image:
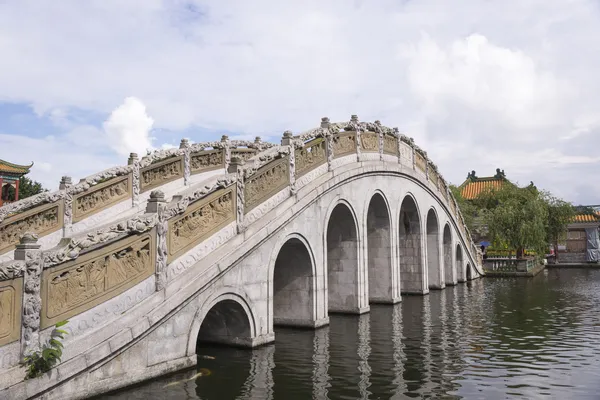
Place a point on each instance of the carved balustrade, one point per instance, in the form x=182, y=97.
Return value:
x=11, y=299
x=310, y=156
x=344, y=144
x=390, y=144
x=84, y=271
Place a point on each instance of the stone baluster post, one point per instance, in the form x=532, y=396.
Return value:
x=355, y=124
x=426, y=167
x=134, y=161
x=286, y=140
x=226, y=150
x=185, y=146
x=398, y=144
x=156, y=205
x=328, y=137
x=66, y=184
x=236, y=167
x=28, y=250
x=380, y=135
x=414, y=158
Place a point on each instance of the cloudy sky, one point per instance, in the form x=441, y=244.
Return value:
x=478, y=84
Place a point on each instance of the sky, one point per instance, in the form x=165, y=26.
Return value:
x=478, y=84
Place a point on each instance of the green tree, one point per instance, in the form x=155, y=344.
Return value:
x=28, y=187
x=516, y=218
x=560, y=214
x=468, y=208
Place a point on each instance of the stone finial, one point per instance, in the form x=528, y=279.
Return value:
x=28, y=238
x=224, y=138
x=64, y=182
x=325, y=122
x=377, y=122
x=354, y=118
x=257, y=139
x=234, y=163
x=396, y=130
x=27, y=241
x=157, y=197
x=184, y=144
x=286, y=140
x=133, y=157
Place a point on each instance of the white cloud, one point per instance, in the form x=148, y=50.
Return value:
x=479, y=85
x=128, y=128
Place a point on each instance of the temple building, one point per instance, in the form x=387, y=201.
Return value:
x=9, y=180
x=473, y=186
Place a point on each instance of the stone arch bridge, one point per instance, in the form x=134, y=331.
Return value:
x=219, y=242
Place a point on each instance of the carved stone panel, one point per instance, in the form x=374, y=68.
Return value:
x=160, y=173
x=41, y=220
x=101, y=196
x=309, y=157
x=406, y=153
x=201, y=219
x=444, y=189
x=266, y=182
x=11, y=298
x=208, y=160
x=344, y=144
x=78, y=285
x=390, y=145
x=420, y=162
x=369, y=141
x=243, y=154
x=433, y=177
x=453, y=207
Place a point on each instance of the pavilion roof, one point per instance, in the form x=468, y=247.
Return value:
x=470, y=189
x=10, y=168
x=587, y=217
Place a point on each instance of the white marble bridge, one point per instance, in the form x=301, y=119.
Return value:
x=219, y=242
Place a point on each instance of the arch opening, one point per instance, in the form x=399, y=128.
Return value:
x=460, y=268
x=293, y=285
x=379, y=251
x=433, y=252
x=412, y=275
x=469, y=273
x=342, y=261
x=227, y=324
x=449, y=275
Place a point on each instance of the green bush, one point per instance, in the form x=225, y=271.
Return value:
x=41, y=361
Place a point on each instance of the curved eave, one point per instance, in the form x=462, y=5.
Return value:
x=10, y=168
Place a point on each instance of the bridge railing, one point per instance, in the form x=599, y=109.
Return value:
x=42, y=287
x=58, y=213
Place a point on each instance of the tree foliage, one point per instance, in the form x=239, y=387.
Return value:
x=560, y=214
x=517, y=218
x=42, y=361
x=468, y=208
x=28, y=187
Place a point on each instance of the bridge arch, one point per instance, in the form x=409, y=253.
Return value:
x=460, y=266
x=224, y=318
x=434, y=270
x=469, y=272
x=379, y=244
x=449, y=266
x=413, y=278
x=342, y=254
x=292, y=282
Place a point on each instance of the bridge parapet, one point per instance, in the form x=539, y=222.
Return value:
x=86, y=269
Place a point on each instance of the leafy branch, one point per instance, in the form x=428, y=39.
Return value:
x=41, y=361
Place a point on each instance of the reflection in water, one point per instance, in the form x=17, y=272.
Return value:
x=492, y=339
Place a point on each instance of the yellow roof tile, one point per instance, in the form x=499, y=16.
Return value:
x=471, y=189
x=11, y=168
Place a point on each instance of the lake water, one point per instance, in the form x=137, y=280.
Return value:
x=488, y=339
